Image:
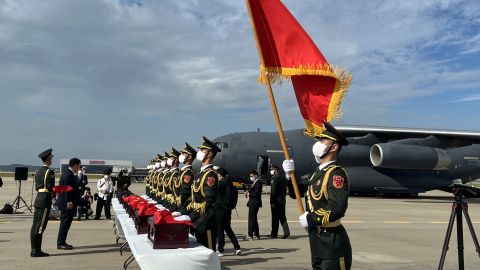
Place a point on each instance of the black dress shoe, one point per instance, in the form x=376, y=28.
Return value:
x=65, y=247
x=271, y=236
x=35, y=254
x=285, y=236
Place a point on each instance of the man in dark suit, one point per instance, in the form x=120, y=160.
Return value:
x=254, y=204
x=68, y=202
x=277, y=202
x=223, y=213
x=82, y=182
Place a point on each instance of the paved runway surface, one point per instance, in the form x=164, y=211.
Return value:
x=386, y=233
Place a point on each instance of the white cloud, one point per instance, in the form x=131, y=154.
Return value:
x=107, y=64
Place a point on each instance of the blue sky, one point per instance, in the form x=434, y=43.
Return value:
x=114, y=80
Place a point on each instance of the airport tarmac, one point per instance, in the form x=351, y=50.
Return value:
x=386, y=233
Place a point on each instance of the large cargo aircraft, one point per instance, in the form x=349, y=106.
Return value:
x=378, y=160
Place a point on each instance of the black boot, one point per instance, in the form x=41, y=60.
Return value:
x=37, y=249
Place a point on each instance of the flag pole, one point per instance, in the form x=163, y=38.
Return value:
x=276, y=116
x=284, y=145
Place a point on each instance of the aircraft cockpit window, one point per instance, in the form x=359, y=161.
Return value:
x=222, y=145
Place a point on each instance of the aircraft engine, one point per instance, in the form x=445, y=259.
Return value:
x=405, y=156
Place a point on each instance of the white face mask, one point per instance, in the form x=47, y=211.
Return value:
x=169, y=162
x=157, y=165
x=162, y=164
x=80, y=172
x=272, y=172
x=105, y=176
x=319, y=150
x=181, y=158
x=252, y=178
x=200, y=156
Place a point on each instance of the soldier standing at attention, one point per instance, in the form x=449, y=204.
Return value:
x=44, y=182
x=327, y=201
x=162, y=178
x=170, y=201
x=186, y=177
x=204, y=192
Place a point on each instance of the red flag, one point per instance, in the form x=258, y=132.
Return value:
x=287, y=52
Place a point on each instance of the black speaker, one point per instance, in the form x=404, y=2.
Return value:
x=21, y=173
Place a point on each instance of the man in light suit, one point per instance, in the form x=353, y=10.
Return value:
x=68, y=202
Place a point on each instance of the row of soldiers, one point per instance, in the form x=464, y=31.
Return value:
x=189, y=195
x=192, y=196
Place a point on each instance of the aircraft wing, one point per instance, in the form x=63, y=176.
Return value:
x=457, y=138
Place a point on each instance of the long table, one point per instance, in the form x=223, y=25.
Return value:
x=194, y=257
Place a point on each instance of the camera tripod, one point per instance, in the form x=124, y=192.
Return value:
x=16, y=202
x=459, y=207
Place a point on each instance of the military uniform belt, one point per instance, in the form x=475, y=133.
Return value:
x=43, y=190
x=333, y=224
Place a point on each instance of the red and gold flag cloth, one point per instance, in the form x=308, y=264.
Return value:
x=287, y=52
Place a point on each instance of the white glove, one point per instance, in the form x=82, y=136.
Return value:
x=176, y=214
x=303, y=220
x=182, y=218
x=160, y=207
x=288, y=166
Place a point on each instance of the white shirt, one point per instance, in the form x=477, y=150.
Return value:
x=205, y=167
x=104, y=187
x=185, y=167
x=324, y=165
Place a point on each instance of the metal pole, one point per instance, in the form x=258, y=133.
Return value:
x=275, y=114
x=284, y=145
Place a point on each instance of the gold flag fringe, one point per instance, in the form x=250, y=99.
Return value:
x=343, y=78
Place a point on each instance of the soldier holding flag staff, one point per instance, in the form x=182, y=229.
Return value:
x=327, y=201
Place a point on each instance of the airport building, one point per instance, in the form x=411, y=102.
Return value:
x=97, y=166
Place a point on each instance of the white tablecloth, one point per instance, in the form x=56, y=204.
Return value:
x=195, y=257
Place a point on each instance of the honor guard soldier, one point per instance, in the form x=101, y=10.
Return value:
x=204, y=191
x=148, y=179
x=165, y=169
x=186, y=177
x=172, y=161
x=155, y=167
x=44, y=182
x=327, y=201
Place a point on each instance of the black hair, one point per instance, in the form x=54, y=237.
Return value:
x=107, y=172
x=223, y=172
x=254, y=173
x=73, y=162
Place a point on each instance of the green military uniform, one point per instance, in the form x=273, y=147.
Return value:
x=148, y=179
x=201, y=209
x=44, y=182
x=161, y=182
x=169, y=201
x=186, y=178
x=327, y=202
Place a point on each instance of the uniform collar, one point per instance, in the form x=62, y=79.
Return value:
x=186, y=167
x=46, y=166
x=203, y=168
x=324, y=165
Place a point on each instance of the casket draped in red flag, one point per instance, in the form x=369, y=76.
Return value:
x=288, y=52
